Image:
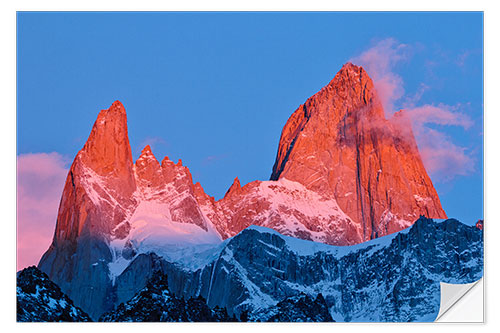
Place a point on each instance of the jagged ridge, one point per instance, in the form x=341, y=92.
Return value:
x=155, y=303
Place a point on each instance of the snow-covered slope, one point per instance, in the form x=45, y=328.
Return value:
x=286, y=206
x=153, y=230
x=393, y=278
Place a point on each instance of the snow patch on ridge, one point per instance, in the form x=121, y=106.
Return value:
x=95, y=187
x=153, y=230
x=304, y=247
x=294, y=194
x=388, y=217
x=421, y=199
x=151, y=223
x=293, y=201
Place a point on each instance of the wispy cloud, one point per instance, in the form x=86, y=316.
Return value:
x=213, y=158
x=379, y=62
x=462, y=58
x=153, y=141
x=412, y=99
x=445, y=160
x=442, y=158
x=440, y=114
x=40, y=181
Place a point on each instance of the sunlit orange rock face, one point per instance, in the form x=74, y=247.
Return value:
x=339, y=143
x=285, y=206
x=343, y=175
x=98, y=192
x=365, y=172
x=104, y=187
x=168, y=184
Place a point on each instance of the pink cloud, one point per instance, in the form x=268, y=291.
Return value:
x=379, y=62
x=40, y=181
x=411, y=100
x=441, y=115
x=442, y=158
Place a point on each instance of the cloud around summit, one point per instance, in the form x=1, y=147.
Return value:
x=443, y=158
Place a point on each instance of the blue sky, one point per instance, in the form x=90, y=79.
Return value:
x=215, y=89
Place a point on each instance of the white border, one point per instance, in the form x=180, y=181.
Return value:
x=8, y=138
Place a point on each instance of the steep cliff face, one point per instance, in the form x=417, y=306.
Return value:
x=338, y=143
x=104, y=188
x=97, y=195
x=338, y=146
x=109, y=205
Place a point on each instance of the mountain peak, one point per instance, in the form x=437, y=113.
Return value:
x=339, y=144
x=115, y=113
x=147, y=153
x=356, y=73
x=107, y=148
x=353, y=83
x=146, y=158
x=103, y=164
x=234, y=188
x=117, y=106
x=349, y=66
x=166, y=161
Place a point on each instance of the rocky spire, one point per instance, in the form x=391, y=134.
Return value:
x=234, y=188
x=107, y=150
x=338, y=143
x=147, y=169
x=103, y=168
x=96, y=202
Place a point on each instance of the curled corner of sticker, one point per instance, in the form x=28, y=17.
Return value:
x=461, y=302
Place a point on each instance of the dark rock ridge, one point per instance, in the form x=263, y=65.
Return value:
x=41, y=300
x=301, y=308
x=394, y=278
x=155, y=303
